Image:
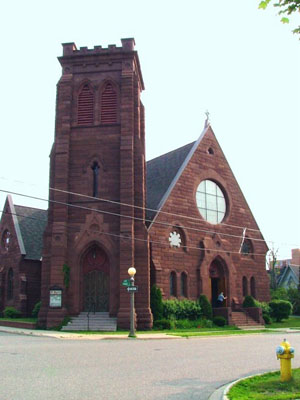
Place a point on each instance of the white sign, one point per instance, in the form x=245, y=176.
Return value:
x=55, y=298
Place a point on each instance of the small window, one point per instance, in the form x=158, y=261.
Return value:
x=245, y=286
x=5, y=241
x=85, y=113
x=10, y=284
x=95, y=170
x=173, y=284
x=210, y=151
x=247, y=247
x=109, y=105
x=183, y=284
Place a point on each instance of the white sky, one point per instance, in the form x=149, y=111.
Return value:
x=238, y=62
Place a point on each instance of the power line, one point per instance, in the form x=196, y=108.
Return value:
x=142, y=219
x=135, y=206
x=142, y=240
x=129, y=216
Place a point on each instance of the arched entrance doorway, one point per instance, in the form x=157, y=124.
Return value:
x=218, y=281
x=95, y=268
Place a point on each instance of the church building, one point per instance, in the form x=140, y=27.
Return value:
x=180, y=219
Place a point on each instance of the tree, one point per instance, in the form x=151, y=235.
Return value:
x=272, y=268
x=280, y=309
x=287, y=7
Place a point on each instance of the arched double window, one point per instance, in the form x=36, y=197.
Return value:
x=85, y=110
x=173, y=284
x=183, y=284
x=245, y=286
x=109, y=105
x=10, y=284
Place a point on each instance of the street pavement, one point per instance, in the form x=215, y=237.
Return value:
x=42, y=368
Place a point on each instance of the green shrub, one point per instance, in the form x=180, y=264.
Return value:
x=249, y=302
x=156, y=303
x=36, y=309
x=11, y=312
x=280, y=309
x=206, y=307
x=267, y=319
x=294, y=298
x=197, y=323
x=219, y=320
x=263, y=305
x=279, y=294
x=181, y=309
x=162, y=324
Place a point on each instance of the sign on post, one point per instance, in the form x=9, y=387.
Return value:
x=126, y=282
x=132, y=289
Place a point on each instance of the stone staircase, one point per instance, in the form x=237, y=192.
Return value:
x=244, y=321
x=100, y=321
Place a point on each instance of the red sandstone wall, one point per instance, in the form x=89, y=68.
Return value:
x=182, y=201
x=118, y=148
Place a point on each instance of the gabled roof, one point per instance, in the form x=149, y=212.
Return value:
x=32, y=223
x=161, y=171
x=290, y=270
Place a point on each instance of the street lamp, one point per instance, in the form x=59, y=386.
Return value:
x=131, y=273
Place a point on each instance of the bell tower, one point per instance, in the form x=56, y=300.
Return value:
x=97, y=186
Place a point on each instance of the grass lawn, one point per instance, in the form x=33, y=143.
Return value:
x=32, y=320
x=212, y=332
x=266, y=387
x=292, y=322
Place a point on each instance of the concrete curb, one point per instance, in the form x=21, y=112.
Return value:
x=78, y=336
x=221, y=393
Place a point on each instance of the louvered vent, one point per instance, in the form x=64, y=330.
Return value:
x=109, y=105
x=85, y=106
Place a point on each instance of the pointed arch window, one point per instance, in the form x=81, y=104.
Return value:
x=253, y=287
x=95, y=169
x=85, y=112
x=245, y=286
x=247, y=247
x=183, y=284
x=6, y=240
x=109, y=105
x=173, y=284
x=10, y=284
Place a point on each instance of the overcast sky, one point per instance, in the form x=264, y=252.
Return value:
x=228, y=57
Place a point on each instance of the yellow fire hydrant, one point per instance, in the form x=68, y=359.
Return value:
x=285, y=353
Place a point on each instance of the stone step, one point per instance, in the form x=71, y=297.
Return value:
x=242, y=320
x=100, y=321
x=251, y=327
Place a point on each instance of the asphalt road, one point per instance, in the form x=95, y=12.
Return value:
x=41, y=368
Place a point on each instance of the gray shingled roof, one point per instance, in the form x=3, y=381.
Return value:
x=32, y=223
x=160, y=173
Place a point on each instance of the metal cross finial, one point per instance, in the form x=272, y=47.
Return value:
x=207, y=118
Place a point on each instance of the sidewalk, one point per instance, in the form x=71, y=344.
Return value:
x=79, y=336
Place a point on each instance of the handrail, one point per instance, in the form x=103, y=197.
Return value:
x=92, y=305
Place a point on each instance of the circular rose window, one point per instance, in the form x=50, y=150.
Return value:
x=211, y=202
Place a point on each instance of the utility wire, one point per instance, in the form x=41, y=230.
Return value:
x=129, y=216
x=143, y=240
x=134, y=206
